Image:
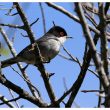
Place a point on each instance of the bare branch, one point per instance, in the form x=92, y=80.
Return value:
x=12, y=95
x=90, y=8
x=76, y=86
x=19, y=65
x=97, y=30
x=25, y=22
x=24, y=35
x=40, y=66
x=15, y=99
x=12, y=26
x=104, y=49
x=34, y=22
x=104, y=42
x=5, y=101
x=23, y=94
x=89, y=39
x=11, y=14
x=86, y=91
x=91, y=20
x=77, y=61
x=43, y=17
x=107, y=6
x=17, y=26
x=10, y=10
x=89, y=15
x=100, y=98
x=27, y=81
x=75, y=18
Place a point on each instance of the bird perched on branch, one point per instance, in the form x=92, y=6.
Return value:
x=49, y=46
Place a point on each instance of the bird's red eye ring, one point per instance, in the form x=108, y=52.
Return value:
x=61, y=33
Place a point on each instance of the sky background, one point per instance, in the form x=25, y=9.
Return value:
x=62, y=68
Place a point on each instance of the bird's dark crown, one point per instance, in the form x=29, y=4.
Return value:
x=58, y=31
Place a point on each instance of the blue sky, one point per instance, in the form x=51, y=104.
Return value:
x=62, y=68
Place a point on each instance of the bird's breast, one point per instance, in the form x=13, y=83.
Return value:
x=52, y=48
x=53, y=45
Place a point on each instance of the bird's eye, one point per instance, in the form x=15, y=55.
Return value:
x=61, y=33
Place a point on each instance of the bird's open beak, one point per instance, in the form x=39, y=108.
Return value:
x=69, y=37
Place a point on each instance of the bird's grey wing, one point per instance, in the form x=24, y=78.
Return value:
x=28, y=53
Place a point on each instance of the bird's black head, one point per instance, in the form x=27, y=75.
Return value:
x=58, y=31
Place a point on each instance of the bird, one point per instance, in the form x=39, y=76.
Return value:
x=49, y=46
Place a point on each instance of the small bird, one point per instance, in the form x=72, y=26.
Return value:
x=49, y=46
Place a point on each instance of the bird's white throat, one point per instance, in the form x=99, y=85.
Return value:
x=62, y=39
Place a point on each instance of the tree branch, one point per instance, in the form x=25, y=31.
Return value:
x=12, y=26
x=76, y=86
x=17, y=26
x=5, y=101
x=104, y=42
x=40, y=66
x=8, y=101
x=75, y=18
x=104, y=48
x=22, y=93
x=93, y=50
x=13, y=52
x=12, y=95
x=76, y=60
x=107, y=6
x=90, y=42
x=43, y=17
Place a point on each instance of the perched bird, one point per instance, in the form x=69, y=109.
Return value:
x=49, y=46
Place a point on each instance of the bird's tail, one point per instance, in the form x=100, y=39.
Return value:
x=8, y=62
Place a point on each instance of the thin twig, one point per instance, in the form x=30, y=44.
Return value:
x=27, y=81
x=10, y=10
x=12, y=26
x=86, y=91
x=12, y=95
x=88, y=15
x=65, y=85
x=17, y=26
x=11, y=14
x=43, y=17
x=91, y=9
x=2, y=98
x=34, y=22
x=91, y=20
x=14, y=99
x=76, y=60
